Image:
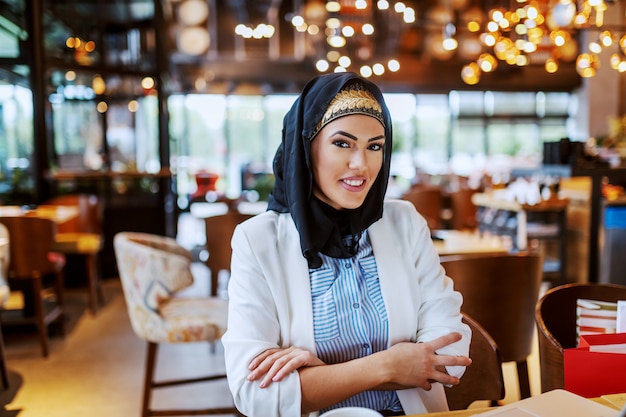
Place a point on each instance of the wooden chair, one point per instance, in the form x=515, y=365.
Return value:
x=483, y=379
x=428, y=200
x=82, y=237
x=464, y=211
x=555, y=317
x=500, y=292
x=219, y=232
x=4, y=296
x=152, y=270
x=32, y=269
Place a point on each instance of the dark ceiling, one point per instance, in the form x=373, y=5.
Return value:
x=232, y=62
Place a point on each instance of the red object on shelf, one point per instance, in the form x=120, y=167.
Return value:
x=205, y=182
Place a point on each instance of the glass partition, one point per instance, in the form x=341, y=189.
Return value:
x=16, y=143
x=17, y=177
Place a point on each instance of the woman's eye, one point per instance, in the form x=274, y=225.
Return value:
x=376, y=146
x=341, y=143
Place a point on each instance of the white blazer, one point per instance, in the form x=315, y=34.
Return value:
x=270, y=303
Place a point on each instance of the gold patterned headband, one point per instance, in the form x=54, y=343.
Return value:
x=353, y=99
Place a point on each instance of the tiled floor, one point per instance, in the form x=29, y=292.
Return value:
x=96, y=370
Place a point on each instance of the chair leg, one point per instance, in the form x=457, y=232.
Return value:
x=151, y=355
x=99, y=290
x=42, y=328
x=4, y=374
x=92, y=283
x=524, y=381
x=58, y=288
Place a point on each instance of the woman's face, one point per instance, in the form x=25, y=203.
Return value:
x=346, y=157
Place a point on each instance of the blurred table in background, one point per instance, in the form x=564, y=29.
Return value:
x=60, y=214
x=545, y=220
x=456, y=242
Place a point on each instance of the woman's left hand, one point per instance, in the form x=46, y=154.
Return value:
x=273, y=364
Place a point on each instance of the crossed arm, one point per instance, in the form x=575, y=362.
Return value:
x=404, y=365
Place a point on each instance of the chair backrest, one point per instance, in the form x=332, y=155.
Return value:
x=428, y=200
x=483, y=379
x=463, y=209
x=219, y=233
x=152, y=268
x=30, y=240
x=500, y=291
x=90, y=213
x=555, y=317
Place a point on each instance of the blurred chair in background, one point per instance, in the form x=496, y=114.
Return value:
x=483, y=380
x=428, y=200
x=500, y=292
x=82, y=237
x=555, y=317
x=219, y=232
x=463, y=209
x=34, y=271
x=152, y=270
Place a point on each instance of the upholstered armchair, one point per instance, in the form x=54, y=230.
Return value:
x=153, y=269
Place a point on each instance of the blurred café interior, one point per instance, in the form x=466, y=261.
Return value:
x=154, y=115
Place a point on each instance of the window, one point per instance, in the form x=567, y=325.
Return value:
x=16, y=146
x=463, y=132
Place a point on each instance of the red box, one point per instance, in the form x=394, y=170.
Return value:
x=593, y=374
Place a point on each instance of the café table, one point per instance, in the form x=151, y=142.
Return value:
x=67, y=243
x=60, y=214
x=474, y=411
x=552, y=224
x=458, y=242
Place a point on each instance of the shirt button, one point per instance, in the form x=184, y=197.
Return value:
x=366, y=346
x=355, y=305
x=348, y=265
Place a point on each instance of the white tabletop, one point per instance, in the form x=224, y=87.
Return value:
x=59, y=214
x=202, y=210
x=456, y=242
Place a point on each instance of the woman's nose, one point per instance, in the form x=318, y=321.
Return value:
x=357, y=160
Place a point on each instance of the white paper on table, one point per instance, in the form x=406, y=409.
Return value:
x=615, y=348
x=621, y=316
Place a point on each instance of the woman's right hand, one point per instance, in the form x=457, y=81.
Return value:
x=412, y=364
x=273, y=365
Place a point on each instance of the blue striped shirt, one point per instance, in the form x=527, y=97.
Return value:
x=350, y=318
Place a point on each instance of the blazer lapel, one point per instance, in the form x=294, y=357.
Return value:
x=393, y=276
x=297, y=285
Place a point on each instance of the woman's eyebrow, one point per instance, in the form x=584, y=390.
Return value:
x=343, y=133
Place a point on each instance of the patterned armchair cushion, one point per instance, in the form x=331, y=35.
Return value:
x=194, y=319
x=152, y=269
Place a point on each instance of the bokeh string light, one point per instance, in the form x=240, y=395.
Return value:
x=542, y=32
x=342, y=34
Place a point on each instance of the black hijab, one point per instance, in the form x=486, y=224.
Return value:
x=322, y=228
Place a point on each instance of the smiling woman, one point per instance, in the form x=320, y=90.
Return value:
x=347, y=156
x=315, y=319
